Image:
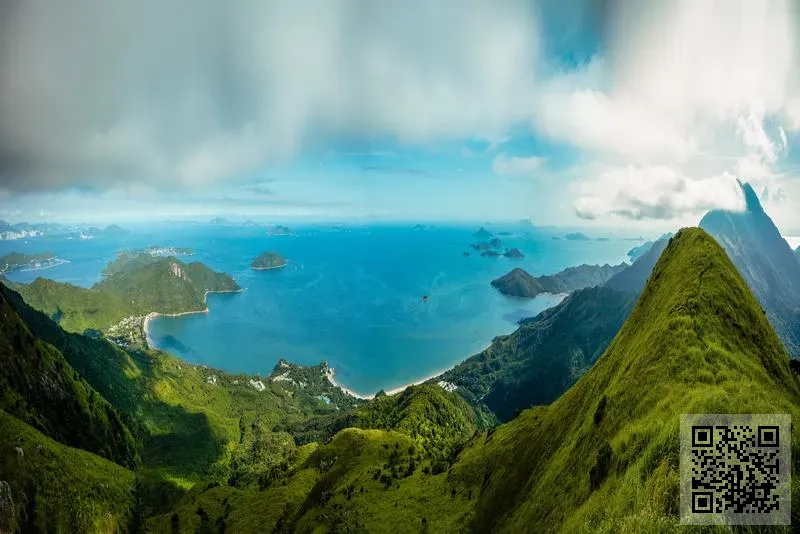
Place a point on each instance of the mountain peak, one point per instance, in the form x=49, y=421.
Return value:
x=752, y=204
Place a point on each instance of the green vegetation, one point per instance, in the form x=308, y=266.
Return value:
x=56, y=488
x=268, y=260
x=767, y=263
x=133, y=285
x=545, y=355
x=17, y=260
x=518, y=283
x=696, y=342
x=226, y=453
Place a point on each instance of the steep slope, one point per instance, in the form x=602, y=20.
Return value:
x=133, y=285
x=38, y=386
x=696, y=342
x=56, y=488
x=518, y=283
x=545, y=355
x=166, y=285
x=634, y=278
x=766, y=262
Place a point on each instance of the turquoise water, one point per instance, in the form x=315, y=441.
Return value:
x=350, y=295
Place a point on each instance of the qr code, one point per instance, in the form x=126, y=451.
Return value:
x=735, y=469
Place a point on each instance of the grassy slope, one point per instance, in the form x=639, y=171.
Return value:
x=697, y=342
x=133, y=285
x=38, y=386
x=56, y=488
x=74, y=308
x=364, y=480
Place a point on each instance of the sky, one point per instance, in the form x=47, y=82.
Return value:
x=609, y=114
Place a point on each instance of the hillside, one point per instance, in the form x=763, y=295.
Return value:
x=696, y=342
x=518, y=283
x=634, y=278
x=766, y=262
x=545, y=355
x=164, y=285
x=133, y=285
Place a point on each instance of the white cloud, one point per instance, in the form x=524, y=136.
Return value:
x=517, y=165
x=653, y=192
x=111, y=92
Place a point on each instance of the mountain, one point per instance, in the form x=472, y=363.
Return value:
x=17, y=260
x=765, y=260
x=115, y=231
x=634, y=278
x=133, y=285
x=40, y=388
x=545, y=355
x=483, y=233
x=602, y=457
x=518, y=283
x=639, y=250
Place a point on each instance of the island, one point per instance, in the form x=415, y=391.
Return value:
x=268, y=260
x=490, y=254
x=513, y=253
x=17, y=261
x=577, y=236
x=113, y=230
x=480, y=246
x=465, y=254
x=519, y=283
x=280, y=230
x=496, y=242
x=483, y=233
x=220, y=221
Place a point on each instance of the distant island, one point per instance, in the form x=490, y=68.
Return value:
x=490, y=254
x=577, y=236
x=513, y=253
x=483, y=233
x=268, y=260
x=280, y=230
x=113, y=230
x=220, y=221
x=481, y=246
x=496, y=242
x=17, y=261
x=518, y=283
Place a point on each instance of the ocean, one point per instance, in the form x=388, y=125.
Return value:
x=351, y=295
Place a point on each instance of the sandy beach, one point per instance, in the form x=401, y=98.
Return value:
x=152, y=315
x=331, y=376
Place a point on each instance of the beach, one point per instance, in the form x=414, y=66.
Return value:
x=330, y=374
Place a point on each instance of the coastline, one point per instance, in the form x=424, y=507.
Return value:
x=330, y=374
x=153, y=315
x=269, y=268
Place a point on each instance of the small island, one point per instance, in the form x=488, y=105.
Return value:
x=268, y=260
x=16, y=261
x=513, y=253
x=483, y=233
x=496, y=242
x=577, y=236
x=280, y=230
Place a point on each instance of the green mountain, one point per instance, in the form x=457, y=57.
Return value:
x=224, y=453
x=133, y=285
x=39, y=387
x=545, y=355
x=634, y=278
x=765, y=261
x=518, y=283
x=604, y=456
x=268, y=260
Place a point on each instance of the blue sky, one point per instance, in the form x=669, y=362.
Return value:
x=573, y=113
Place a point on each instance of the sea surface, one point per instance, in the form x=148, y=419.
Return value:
x=351, y=295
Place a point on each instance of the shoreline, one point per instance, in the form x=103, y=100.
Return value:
x=153, y=315
x=269, y=268
x=330, y=374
